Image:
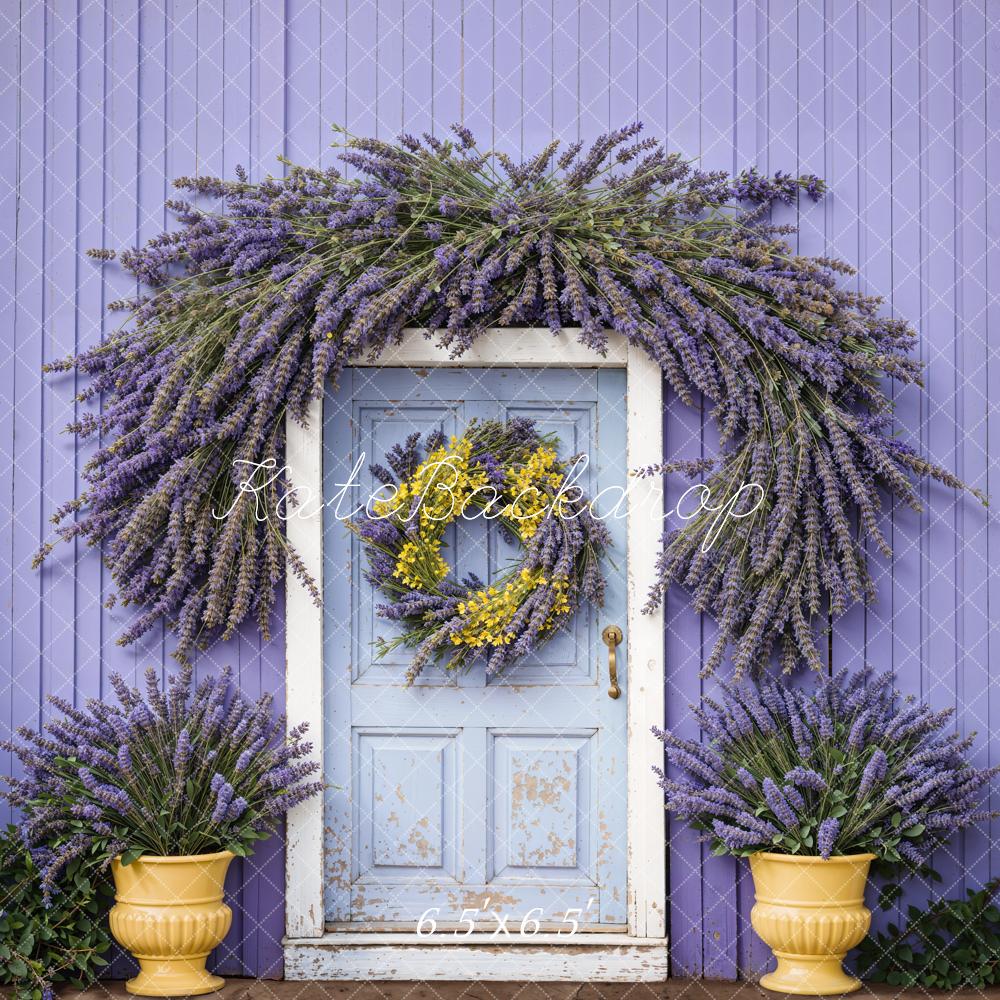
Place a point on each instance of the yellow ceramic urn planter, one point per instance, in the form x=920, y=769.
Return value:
x=169, y=914
x=810, y=911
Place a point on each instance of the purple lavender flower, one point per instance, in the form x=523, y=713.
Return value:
x=223, y=798
x=734, y=837
x=826, y=836
x=874, y=772
x=794, y=798
x=779, y=804
x=182, y=755
x=805, y=777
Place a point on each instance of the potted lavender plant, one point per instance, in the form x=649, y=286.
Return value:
x=813, y=787
x=169, y=788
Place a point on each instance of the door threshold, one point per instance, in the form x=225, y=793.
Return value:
x=444, y=928
x=407, y=956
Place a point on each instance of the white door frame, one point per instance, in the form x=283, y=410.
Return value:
x=311, y=952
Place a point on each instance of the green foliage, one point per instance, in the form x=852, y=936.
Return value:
x=64, y=943
x=953, y=943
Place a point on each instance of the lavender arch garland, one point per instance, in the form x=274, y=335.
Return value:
x=246, y=315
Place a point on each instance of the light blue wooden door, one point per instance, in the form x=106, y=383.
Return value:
x=467, y=796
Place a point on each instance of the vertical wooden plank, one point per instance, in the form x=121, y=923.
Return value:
x=507, y=108
x=29, y=322
x=186, y=73
x=782, y=98
x=940, y=594
x=749, y=141
x=651, y=68
x=867, y=29
x=716, y=54
x=389, y=69
x=908, y=189
x=477, y=69
x=249, y=944
x=682, y=439
x=595, y=83
x=972, y=405
x=89, y=156
x=151, y=187
x=196, y=135
x=683, y=77
x=872, y=30
x=362, y=43
x=811, y=126
x=236, y=98
x=121, y=230
x=59, y=619
x=333, y=76
x=237, y=38
x=566, y=71
x=305, y=129
x=187, y=141
x=718, y=80
x=749, y=63
x=841, y=168
x=537, y=81
x=446, y=64
x=121, y=226
x=418, y=67
x=991, y=217
x=269, y=87
x=10, y=154
x=210, y=52
x=623, y=66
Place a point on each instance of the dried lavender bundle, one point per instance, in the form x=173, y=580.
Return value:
x=250, y=312
x=844, y=768
x=189, y=769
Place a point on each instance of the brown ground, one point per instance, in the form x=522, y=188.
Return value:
x=672, y=989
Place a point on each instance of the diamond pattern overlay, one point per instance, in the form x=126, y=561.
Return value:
x=894, y=102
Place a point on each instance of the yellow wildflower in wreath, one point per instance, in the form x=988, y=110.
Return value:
x=496, y=472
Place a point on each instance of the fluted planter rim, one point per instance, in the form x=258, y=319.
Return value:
x=166, y=859
x=812, y=858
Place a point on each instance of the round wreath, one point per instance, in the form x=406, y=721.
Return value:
x=503, y=472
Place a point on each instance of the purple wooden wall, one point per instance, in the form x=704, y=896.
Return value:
x=895, y=103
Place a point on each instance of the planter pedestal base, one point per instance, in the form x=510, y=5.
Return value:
x=171, y=977
x=807, y=975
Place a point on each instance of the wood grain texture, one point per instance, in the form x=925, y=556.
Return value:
x=104, y=101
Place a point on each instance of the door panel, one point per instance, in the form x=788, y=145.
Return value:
x=503, y=794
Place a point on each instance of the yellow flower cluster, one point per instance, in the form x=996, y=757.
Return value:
x=442, y=484
x=491, y=611
x=420, y=564
x=530, y=485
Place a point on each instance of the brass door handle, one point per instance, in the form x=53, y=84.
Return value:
x=612, y=635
